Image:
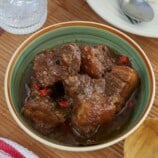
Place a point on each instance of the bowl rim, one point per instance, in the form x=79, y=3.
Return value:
x=86, y=24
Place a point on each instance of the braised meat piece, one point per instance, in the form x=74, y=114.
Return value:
x=45, y=107
x=91, y=106
x=54, y=65
x=42, y=113
x=120, y=83
x=96, y=60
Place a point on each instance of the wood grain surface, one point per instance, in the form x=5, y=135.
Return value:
x=59, y=11
x=145, y=136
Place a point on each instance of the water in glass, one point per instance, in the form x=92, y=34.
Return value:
x=22, y=16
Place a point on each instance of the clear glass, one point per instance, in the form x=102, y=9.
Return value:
x=22, y=16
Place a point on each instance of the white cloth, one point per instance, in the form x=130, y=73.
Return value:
x=11, y=149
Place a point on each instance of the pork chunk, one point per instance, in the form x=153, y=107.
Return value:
x=54, y=65
x=96, y=60
x=120, y=83
x=42, y=114
x=91, y=106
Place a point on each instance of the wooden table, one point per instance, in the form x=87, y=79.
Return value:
x=59, y=11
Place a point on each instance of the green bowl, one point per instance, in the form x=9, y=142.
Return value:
x=80, y=32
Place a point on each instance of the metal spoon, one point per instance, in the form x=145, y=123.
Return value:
x=137, y=9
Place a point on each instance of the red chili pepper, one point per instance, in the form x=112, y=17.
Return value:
x=63, y=104
x=123, y=60
x=130, y=104
x=37, y=87
x=44, y=92
x=66, y=128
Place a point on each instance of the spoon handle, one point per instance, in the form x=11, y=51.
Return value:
x=136, y=1
x=149, y=1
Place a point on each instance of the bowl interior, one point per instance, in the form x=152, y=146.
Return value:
x=21, y=66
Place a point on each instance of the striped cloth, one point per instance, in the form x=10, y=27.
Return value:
x=10, y=149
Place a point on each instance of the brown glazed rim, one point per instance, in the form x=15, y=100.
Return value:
x=20, y=49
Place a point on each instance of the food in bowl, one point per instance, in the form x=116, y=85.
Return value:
x=82, y=33
x=80, y=94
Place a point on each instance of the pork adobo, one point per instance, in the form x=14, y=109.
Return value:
x=80, y=89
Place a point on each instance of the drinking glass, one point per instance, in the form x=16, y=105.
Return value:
x=22, y=16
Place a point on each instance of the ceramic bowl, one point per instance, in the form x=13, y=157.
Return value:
x=80, y=32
